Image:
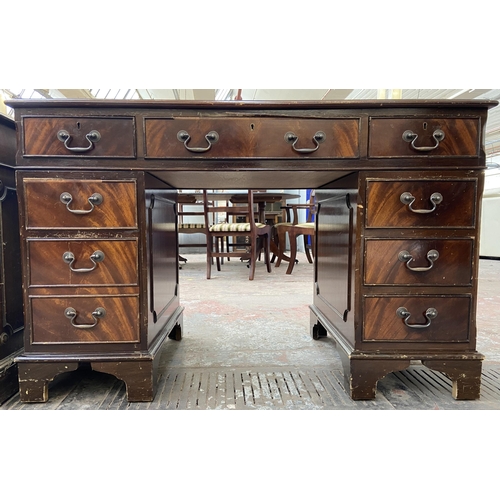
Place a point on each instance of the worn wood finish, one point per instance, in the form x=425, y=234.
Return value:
x=34, y=379
x=359, y=172
x=11, y=301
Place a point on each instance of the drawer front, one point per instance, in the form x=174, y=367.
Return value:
x=52, y=324
x=75, y=136
x=389, y=203
x=65, y=203
x=433, y=136
x=248, y=138
x=299, y=138
x=383, y=324
x=418, y=262
x=82, y=262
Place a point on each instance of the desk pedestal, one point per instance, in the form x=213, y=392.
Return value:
x=395, y=286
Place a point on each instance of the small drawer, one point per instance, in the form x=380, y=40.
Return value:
x=385, y=317
x=422, y=203
x=94, y=137
x=418, y=262
x=82, y=262
x=95, y=319
x=80, y=203
x=403, y=137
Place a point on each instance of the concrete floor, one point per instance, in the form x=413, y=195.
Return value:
x=246, y=345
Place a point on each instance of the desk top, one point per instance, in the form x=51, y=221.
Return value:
x=254, y=144
x=249, y=105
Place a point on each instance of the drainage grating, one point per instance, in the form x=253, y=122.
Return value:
x=279, y=388
x=249, y=389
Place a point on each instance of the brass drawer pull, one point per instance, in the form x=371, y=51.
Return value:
x=318, y=137
x=92, y=137
x=212, y=137
x=430, y=314
x=409, y=136
x=95, y=199
x=98, y=314
x=408, y=199
x=96, y=257
x=405, y=256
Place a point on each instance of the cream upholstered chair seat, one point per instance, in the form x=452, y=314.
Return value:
x=234, y=226
x=257, y=236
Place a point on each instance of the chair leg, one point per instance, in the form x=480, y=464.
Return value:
x=306, y=249
x=253, y=258
x=267, y=252
x=281, y=233
x=293, y=251
x=209, y=256
x=218, y=249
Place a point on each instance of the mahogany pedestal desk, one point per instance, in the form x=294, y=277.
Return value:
x=398, y=184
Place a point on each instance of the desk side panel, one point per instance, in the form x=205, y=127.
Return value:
x=335, y=262
x=162, y=249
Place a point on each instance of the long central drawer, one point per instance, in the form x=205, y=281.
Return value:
x=251, y=137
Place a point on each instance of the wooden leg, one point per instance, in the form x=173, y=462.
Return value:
x=267, y=252
x=210, y=247
x=253, y=258
x=293, y=250
x=139, y=377
x=34, y=379
x=363, y=374
x=281, y=238
x=219, y=243
x=306, y=247
x=465, y=375
x=176, y=333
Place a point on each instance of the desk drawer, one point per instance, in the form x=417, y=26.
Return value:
x=248, y=138
x=448, y=262
x=82, y=262
x=389, y=203
x=383, y=324
x=432, y=136
x=52, y=323
x=72, y=203
x=69, y=136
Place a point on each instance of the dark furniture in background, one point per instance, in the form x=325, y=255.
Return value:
x=11, y=298
x=398, y=187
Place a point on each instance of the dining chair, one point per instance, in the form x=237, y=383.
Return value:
x=186, y=208
x=257, y=235
x=294, y=229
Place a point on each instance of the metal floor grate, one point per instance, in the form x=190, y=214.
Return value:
x=279, y=388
